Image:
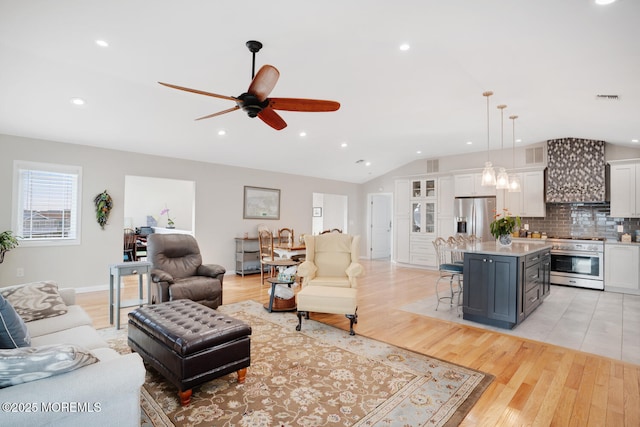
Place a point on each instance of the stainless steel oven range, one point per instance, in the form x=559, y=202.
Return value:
x=577, y=262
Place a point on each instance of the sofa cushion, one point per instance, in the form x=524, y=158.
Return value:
x=37, y=300
x=22, y=365
x=75, y=316
x=83, y=336
x=13, y=331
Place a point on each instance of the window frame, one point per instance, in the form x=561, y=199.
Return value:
x=17, y=213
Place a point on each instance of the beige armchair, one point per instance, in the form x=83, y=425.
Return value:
x=178, y=273
x=329, y=277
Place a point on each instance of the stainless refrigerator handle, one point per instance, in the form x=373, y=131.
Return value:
x=473, y=218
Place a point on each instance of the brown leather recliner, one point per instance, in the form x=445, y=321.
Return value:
x=178, y=273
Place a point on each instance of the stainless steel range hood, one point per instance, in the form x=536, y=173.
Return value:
x=576, y=171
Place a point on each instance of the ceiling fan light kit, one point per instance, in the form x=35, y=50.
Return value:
x=256, y=102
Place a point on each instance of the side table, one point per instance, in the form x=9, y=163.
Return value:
x=116, y=271
x=274, y=282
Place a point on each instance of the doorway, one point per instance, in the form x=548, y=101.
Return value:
x=380, y=224
x=329, y=211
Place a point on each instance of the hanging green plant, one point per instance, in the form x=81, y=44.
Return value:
x=104, y=203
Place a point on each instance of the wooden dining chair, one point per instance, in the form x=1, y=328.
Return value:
x=332, y=230
x=268, y=258
x=129, y=248
x=285, y=236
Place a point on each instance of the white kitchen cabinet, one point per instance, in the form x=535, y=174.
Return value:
x=445, y=196
x=416, y=219
x=422, y=251
x=444, y=226
x=625, y=188
x=622, y=267
x=530, y=200
x=470, y=185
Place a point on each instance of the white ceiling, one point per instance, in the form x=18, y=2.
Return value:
x=546, y=59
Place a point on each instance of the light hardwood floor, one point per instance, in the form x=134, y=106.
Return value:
x=536, y=384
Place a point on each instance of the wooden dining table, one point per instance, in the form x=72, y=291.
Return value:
x=287, y=251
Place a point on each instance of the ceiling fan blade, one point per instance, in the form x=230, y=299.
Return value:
x=264, y=82
x=301, y=104
x=200, y=92
x=272, y=118
x=219, y=113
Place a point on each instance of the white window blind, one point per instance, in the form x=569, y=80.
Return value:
x=47, y=208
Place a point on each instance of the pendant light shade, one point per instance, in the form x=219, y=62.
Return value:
x=488, y=173
x=502, y=181
x=514, y=181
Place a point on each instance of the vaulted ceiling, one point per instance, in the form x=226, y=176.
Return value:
x=547, y=60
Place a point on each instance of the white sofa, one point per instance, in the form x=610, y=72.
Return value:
x=106, y=393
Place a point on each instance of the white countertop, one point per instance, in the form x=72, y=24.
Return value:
x=615, y=242
x=517, y=248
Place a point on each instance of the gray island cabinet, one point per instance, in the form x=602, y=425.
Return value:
x=503, y=285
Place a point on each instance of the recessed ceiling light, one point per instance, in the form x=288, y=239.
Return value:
x=635, y=140
x=102, y=43
x=78, y=101
x=405, y=47
x=368, y=164
x=303, y=134
x=604, y=2
x=518, y=140
x=222, y=132
x=469, y=142
x=418, y=152
x=344, y=145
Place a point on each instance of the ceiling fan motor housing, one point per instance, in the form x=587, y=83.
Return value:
x=251, y=104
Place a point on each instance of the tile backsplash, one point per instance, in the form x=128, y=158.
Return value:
x=581, y=219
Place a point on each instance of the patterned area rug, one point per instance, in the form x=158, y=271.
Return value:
x=321, y=376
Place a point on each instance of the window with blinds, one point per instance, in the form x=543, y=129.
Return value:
x=47, y=202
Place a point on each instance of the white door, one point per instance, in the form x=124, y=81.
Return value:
x=380, y=220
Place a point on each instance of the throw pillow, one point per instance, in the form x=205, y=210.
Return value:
x=36, y=300
x=13, y=331
x=22, y=365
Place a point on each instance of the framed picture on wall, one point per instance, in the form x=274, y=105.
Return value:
x=317, y=211
x=261, y=203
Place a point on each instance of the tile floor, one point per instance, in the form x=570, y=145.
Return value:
x=603, y=323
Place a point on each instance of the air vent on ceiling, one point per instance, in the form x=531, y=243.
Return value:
x=433, y=166
x=534, y=155
x=608, y=97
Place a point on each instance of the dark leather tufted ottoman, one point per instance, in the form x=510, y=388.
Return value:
x=189, y=343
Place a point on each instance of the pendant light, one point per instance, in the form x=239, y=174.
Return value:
x=502, y=181
x=514, y=182
x=488, y=174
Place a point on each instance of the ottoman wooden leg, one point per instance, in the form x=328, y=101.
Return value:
x=185, y=397
x=242, y=374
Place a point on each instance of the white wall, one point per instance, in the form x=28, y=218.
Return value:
x=145, y=196
x=218, y=208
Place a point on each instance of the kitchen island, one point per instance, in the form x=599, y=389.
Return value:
x=504, y=284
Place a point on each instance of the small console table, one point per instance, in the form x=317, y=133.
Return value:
x=116, y=271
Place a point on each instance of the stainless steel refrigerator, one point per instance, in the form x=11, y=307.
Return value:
x=472, y=215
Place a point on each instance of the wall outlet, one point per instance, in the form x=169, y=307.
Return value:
x=620, y=228
x=526, y=226
x=20, y=272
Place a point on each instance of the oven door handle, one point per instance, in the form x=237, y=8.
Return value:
x=576, y=253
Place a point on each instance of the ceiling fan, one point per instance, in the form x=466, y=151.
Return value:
x=255, y=100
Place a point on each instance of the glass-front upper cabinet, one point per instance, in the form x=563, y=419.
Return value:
x=424, y=217
x=423, y=188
